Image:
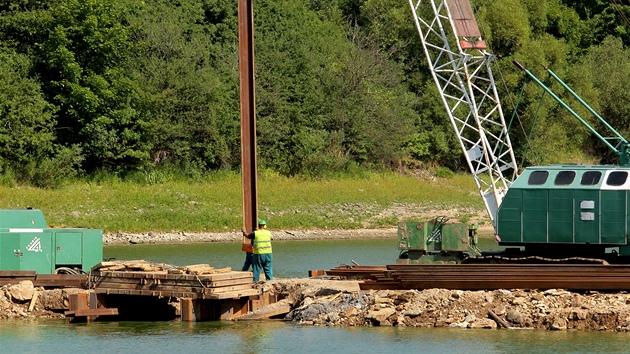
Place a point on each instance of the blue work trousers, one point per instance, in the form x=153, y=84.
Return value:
x=260, y=263
x=248, y=261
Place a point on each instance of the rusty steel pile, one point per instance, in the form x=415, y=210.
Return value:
x=489, y=276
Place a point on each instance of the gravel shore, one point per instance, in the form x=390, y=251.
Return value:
x=122, y=238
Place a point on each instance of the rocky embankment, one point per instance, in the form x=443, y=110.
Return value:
x=341, y=303
x=332, y=305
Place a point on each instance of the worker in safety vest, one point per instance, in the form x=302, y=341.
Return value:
x=248, y=248
x=261, y=262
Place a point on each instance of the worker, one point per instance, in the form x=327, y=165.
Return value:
x=262, y=258
x=249, y=252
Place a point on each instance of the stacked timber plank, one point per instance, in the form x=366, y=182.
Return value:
x=200, y=281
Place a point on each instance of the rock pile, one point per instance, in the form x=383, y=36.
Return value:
x=550, y=309
x=23, y=300
x=341, y=303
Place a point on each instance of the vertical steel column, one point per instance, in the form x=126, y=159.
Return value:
x=248, y=114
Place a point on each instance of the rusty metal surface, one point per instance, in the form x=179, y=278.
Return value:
x=248, y=114
x=463, y=18
x=44, y=280
x=498, y=276
x=357, y=272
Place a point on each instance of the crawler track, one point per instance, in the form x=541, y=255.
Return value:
x=491, y=276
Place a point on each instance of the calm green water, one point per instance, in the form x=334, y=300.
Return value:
x=280, y=337
x=291, y=259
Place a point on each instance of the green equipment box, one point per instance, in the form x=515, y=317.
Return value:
x=27, y=243
x=433, y=236
x=436, y=242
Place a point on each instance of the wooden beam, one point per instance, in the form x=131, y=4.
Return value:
x=92, y=312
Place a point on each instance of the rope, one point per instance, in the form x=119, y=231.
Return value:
x=200, y=282
x=621, y=14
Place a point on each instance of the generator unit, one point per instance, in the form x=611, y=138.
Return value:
x=27, y=243
x=435, y=241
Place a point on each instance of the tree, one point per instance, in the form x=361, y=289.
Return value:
x=186, y=67
x=79, y=50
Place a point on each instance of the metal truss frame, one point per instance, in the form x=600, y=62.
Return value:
x=461, y=69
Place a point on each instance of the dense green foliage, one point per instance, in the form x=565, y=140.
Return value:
x=145, y=86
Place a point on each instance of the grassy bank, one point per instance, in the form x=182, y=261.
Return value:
x=214, y=204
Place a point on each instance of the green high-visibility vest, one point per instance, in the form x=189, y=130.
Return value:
x=262, y=242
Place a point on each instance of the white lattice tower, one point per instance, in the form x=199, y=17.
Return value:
x=461, y=69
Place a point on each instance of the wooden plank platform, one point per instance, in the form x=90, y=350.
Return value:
x=205, y=286
x=204, y=292
x=180, y=294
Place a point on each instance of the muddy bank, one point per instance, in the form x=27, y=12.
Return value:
x=554, y=309
x=123, y=238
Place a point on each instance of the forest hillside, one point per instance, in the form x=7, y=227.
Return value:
x=134, y=86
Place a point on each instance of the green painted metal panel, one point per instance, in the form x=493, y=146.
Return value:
x=455, y=238
x=613, y=217
x=535, y=203
x=433, y=236
x=26, y=251
x=587, y=216
x=37, y=248
x=419, y=236
x=9, y=255
x=68, y=248
x=509, y=226
x=561, y=203
x=412, y=236
x=92, y=248
x=22, y=218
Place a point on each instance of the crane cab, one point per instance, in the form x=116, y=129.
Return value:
x=567, y=210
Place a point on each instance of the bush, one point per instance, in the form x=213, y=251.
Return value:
x=54, y=172
x=444, y=172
